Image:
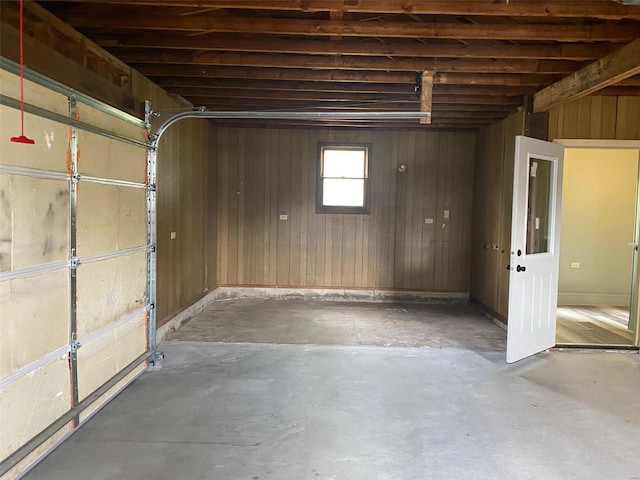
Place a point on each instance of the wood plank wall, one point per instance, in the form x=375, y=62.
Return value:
x=597, y=118
x=265, y=173
x=493, y=191
x=186, y=205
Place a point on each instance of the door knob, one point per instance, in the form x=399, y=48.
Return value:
x=521, y=269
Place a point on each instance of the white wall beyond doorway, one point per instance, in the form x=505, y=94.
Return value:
x=599, y=210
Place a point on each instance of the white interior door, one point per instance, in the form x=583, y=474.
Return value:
x=535, y=236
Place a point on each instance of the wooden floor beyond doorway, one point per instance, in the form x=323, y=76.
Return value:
x=593, y=325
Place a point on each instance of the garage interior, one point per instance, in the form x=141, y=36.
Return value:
x=189, y=306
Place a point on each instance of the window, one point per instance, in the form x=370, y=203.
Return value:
x=343, y=178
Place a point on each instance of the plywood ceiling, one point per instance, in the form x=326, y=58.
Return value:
x=344, y=55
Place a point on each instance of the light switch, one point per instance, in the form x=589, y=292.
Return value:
x=446, y=214
x=173, y=235
x=284, y=217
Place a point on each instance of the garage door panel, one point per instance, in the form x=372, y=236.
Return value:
x=110, y=218
x=112, y=392
x=108, y=122
x=48, y=153
x=48, y=312
x=35, y=221
x=103, y=357
x=32, y=403
x=73, y=261
x=34, y=94
x=108, y=290
x=103, y=157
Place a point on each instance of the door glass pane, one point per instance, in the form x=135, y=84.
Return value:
x=539, y=203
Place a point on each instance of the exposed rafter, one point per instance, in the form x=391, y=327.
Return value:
x=537, y=8
x=98, y=17
x=607, y=71
x=347, y=62
x=390, y=48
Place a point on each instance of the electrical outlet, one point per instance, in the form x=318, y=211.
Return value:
x=428, y=220
x=575, y=264
x=173, y=235
x=284, y=217
x=446, y=214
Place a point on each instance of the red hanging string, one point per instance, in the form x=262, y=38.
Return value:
x=22, y=138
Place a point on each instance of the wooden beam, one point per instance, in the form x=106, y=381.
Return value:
x=489, y=90
x=319, y=96
x=97, y=17
x=189, y=84
x=438, y=90
x=300, y=103
x=393, y=84
x=346, y=62
x=211, y=71
x=479, y=99
x=426, y=94
x=404, y=125
x=609, y=70
x=571, y=8
x=442, y=99
x=504, y=79
x=357, y=47
x=334, y=92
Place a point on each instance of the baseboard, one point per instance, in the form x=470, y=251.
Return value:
x=593, y=299
x=495, y=317
x=176, y=321
x=341, y=294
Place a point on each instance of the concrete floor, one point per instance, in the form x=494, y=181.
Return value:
x=261, y=411
x=317, y=322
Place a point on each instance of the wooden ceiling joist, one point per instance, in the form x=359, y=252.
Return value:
x=356, y=47
x=331, y=92
x=97, y=17
x=540, y=8
x=210, y=71
x=394, y=84
x=609, y=70
x=346, y=62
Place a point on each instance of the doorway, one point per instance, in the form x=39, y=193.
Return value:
x=598, y=248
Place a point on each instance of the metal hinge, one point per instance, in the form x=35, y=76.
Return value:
x=75, y=343
x=74, y=262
